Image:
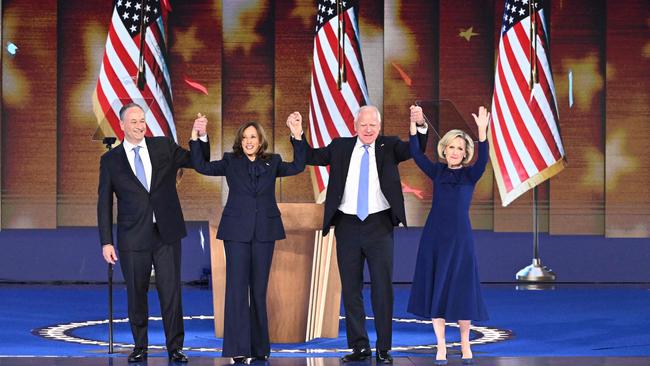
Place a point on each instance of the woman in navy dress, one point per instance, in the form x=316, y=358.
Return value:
x=250, y=225
x=446, y=286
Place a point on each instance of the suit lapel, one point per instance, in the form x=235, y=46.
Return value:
x=379, y=154
x=127, y=167
x=266, y=177
x=155, y=163
x=345, y=158
x=242, y=172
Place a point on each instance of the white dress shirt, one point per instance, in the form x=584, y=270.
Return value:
x=376, y=200
x=144, y=156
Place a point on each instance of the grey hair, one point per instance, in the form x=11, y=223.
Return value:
x=372, y=107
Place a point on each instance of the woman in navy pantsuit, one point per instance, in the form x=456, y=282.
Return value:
x=250, y=225
x=446, y=284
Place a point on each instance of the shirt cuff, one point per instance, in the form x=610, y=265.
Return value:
x=423, y=129
x=204, y=138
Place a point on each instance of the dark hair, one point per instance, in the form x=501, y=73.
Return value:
x=126, y=107
x=264, y=143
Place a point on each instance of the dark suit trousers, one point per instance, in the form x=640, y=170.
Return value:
x=136, y=268
x=358, y=241
x=246, y=328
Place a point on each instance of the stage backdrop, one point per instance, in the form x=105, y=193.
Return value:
x=254, y=59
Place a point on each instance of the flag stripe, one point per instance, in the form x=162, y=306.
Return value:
x=327, y=81
x=505, y=130
x=500, y=157
x=319, y=129
x=118, y=72
x=351, y=90
x=129, y=54
x=518, y=93
x=502, y=144
x=524, y=63
x=331, y=111
x=525, y=139
x=123, y=65
x=353, y=46
x=328, y=110
x=546, y=83
x=111, y=118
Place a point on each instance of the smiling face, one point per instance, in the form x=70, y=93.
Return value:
x=133, y=125
x=367, y=125
x=250, y=142
x=455, y=152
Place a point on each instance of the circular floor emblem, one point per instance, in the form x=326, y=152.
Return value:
x=64, y=332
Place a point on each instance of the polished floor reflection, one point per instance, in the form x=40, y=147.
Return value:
x=329, y=361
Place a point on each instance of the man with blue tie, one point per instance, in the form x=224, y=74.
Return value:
x=141, y=173
x=364, y=202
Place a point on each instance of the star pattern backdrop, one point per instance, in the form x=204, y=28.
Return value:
x=251, y=60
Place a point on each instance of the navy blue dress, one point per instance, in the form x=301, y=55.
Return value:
x=446, y=283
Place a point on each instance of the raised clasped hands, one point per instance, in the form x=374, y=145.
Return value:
x=199, y=129
x=417, y=118
x=294, y=122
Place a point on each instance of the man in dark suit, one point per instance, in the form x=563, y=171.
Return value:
x=364, y=202
x=141, y=172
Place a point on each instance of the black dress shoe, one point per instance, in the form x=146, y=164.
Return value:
x=261, y=358
x=383, y=357
x=358, y=354
x=177, y=356
x=241, y=360
x=138, y=355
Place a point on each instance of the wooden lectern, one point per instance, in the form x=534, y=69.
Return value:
x=304, y=293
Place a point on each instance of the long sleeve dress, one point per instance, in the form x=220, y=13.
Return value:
x=446, y=283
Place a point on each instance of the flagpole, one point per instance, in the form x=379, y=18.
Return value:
x=142, y=80
x=535, y=272
x=342, y=77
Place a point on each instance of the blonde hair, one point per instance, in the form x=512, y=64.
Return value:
x=446, y=139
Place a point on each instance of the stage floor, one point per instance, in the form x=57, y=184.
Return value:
x=564, y=325
x=330, y=361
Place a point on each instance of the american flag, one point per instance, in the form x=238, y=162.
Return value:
x=525, y=144
x=116, y=84
x=338, y=85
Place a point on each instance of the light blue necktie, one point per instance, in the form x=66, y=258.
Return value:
x=362, y=194
x=139, y=168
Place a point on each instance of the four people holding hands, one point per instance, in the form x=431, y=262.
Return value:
x=364, y=202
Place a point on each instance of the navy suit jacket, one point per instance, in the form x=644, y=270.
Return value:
x=389, y=152
x=250, y=212
x=136, y=205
